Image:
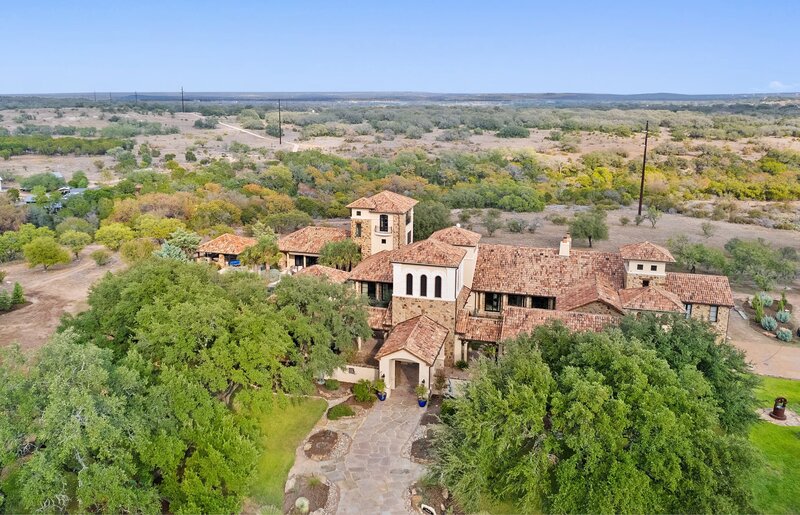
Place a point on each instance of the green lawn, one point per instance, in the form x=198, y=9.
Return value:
x=777, y=485
x=283, y=427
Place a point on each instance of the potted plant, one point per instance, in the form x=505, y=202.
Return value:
x=422, y=395
x=380, y=389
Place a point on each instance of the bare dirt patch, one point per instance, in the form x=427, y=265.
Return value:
x=321, y=444
x=62, y=289
x=435, y=496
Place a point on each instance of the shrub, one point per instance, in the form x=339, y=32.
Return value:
x=362, y=390
x=769, y=323
x=5, y=301
x=3, y=274
x=783, y=316
x=535, y=224
x=339, y=411
x=513, y=131
x=708, y=229
x=624, y=220
x=782, y=302
x=331, y=384
x=448, y=408
x=758, y=307
x=461, y=364
x=783, y=334
x=766, y=299
x=101, y=257
x=515, y=225
x=17, y=296
x=638, y=219
x=558, y=219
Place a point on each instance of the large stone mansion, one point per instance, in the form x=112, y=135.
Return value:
x=435, y=302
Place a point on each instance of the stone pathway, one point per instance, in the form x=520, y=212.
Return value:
x=373, y=477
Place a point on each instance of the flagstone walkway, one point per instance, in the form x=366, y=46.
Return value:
x=374, y=476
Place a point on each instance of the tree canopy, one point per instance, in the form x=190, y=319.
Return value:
x=569, y=422
x=590, y=226
x=429, y=217
x=143, y=401
x=343, y=255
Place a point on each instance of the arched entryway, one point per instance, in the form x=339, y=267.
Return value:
x=406, y=374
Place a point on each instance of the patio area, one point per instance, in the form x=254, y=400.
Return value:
x=374, y=474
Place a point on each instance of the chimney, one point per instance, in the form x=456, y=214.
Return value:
x=564, y=246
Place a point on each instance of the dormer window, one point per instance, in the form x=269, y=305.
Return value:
x=384, y=223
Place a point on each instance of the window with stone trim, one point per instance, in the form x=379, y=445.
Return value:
x=409, y=284
x=713, y=314
x=493, y=302
x=383, y=224
x=423, y=286
x=358, y=230
x=688, y=308
x=516, y=300
x=437, y=287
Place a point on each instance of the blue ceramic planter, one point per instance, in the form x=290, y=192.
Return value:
x=422, y=402
x=381, y=396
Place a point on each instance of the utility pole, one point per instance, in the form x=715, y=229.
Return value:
x=136, y=96
x=183, y=106
x=280, y=129
x=644, y=163
x=109, y=98
x=95, y=97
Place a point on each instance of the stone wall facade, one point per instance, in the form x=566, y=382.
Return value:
x=636, y=280
x=598, y=308
x=365, y=240
x=702, y=311
x=440, y=311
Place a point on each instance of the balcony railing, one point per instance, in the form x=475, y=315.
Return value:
x=380, y=230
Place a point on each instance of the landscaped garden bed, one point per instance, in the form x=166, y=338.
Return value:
x=772, y=317
x=435, y=496
x=326, y=445
x=314, y=490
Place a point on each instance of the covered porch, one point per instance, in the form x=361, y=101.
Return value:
x=411, y=353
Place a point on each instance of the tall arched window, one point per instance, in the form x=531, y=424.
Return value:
x=409, y=284
x=437, y=287
x=423, y=286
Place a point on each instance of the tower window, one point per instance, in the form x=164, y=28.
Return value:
x=384, y=223
x=653, y=268
x=646, y=283
x=358, y=230
x=423, y=286
x=640, y=267
x=437, y=287
x=409, y=284
x=383, y=241
x=358, y=213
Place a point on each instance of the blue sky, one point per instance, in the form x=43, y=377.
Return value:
x=438, y=46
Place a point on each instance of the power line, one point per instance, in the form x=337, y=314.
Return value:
x=644, y=163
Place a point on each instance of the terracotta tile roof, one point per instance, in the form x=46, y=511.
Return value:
x=595, y=289
x=429, y=252
x=714, y=290
x=651, y=298
x=541, y=271
x=375, y=268
x=334, y=275
x=517, y=321
x=456, y=236
x=227, y=243
x=481, y=329
x=376, y=317
x=646, y=251
x=420, y=336
x=384, y=202
x=310, y=240
x=463, y=297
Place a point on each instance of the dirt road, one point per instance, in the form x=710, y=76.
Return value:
x=60, y=290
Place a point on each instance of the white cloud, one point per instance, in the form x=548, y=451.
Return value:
x=777, y=85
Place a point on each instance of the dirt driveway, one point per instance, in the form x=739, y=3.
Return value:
x=62, y=289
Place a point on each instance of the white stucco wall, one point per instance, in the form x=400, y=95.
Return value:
x=452, y=280
x=386, y=368
x=631, y=267
x=468, y=264
x=354, y=373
